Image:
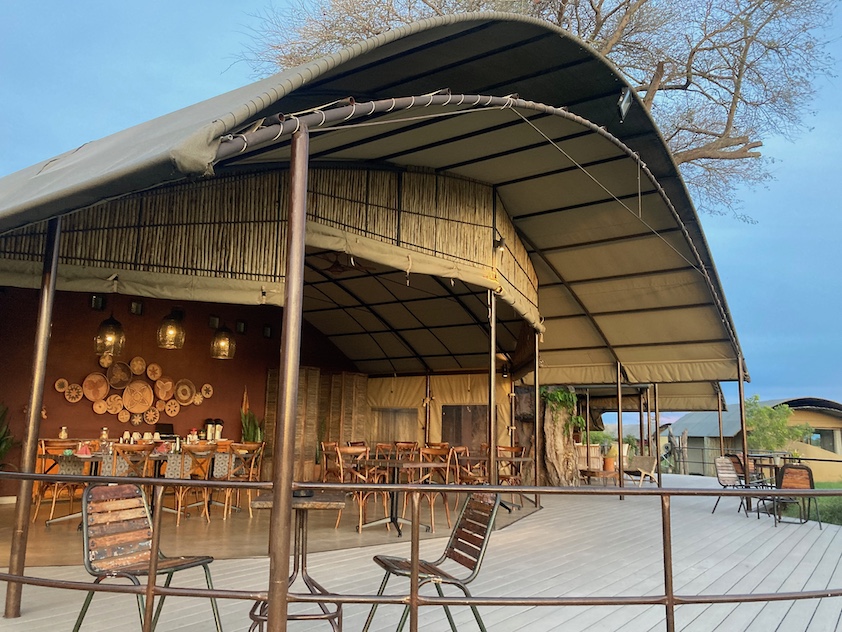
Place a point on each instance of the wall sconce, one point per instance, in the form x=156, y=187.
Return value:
x=110, y=337
x=223, y=345
x=97, y=302
x=500, y=244
x=171, y=331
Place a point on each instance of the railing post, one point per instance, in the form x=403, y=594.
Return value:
x=414, y=582
x=666, y=530
x=157, y=512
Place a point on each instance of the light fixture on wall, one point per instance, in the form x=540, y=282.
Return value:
x=624, y=103
x=223, y=345
x=171, y=330
x=110, y=337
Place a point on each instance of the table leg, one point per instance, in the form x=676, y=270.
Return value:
x=299, y=565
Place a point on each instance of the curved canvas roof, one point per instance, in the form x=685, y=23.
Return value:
x=625, y=274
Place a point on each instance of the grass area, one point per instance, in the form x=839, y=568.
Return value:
x=830, y=508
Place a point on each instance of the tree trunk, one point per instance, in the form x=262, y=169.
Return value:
x=560, y=457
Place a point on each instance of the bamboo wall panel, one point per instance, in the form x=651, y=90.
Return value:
x=234, y=226
x=307, y=421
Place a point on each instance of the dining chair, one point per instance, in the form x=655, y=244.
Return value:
x=194, y=462
x=510, y=472
x=243, y=463
x=330, y=467
x=466, y=549
x=348, y=461
x=428, y=476
x=53, y=461
x=117, y=535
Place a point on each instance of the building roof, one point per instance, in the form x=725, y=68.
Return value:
x=706, y=424
x=625, y=274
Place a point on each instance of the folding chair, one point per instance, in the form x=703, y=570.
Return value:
x=118, y=541
x=727, y=476
x=792, y=476
x=466, y=547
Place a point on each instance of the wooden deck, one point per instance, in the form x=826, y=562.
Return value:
x=581, y=545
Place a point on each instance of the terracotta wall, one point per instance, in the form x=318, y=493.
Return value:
x=71, y=356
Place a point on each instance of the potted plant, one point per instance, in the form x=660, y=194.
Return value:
x=610, y=459
x=252, y=427
x=7, y=439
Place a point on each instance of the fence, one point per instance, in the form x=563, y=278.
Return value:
x=668, y=599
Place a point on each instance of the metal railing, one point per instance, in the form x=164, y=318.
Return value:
x=669, y=599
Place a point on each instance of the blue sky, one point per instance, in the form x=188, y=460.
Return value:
x=76, y=71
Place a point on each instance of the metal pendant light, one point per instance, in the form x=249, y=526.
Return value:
x=110, y=337
x=223, y=345
x=171, y=330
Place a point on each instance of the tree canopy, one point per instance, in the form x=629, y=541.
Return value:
x=769, y=429
x=718, y=76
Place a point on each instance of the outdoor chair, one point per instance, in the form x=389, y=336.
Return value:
x=466, y=548
x=641, y=467
x=792, y=476
x=753, y=475
x=729, y=479
x=117, y=535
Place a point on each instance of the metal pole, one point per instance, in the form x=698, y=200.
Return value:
x=658, y=431
x=666, y=530
x=642, y=425
x=620, y=464
x=492, y=395
x=588, y=429
x=719, y=415
x=746, y=475
x=282, y=476
x=539, y=422
x=17, y=558
x=427, y=411
x=649, y=424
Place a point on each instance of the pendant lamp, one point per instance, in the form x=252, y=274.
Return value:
x=110, y=337
x=171, y=330
x=223, y=345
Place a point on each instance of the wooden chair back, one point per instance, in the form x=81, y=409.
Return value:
x=469, y=538
x=347, y=461
x=117, y=535
x=330, y=465
x=726, y=474
x=406, y=450
x=795, y=476
x=117, y=530
x=131, y=459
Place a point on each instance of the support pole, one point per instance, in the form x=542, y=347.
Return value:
x=17, y=558
x=620, y=463
x=538, y=440
x=492, y=395
x=642, y=424
x=719, y=416
x=649, y=436
x=741, y=376
x=282, y=476
x=658, y=432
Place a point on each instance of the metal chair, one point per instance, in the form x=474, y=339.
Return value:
x=118, y=540
x=729, y=479
x=792, y=476
x=466, y=548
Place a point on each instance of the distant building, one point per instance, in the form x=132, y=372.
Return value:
x=824, y=416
